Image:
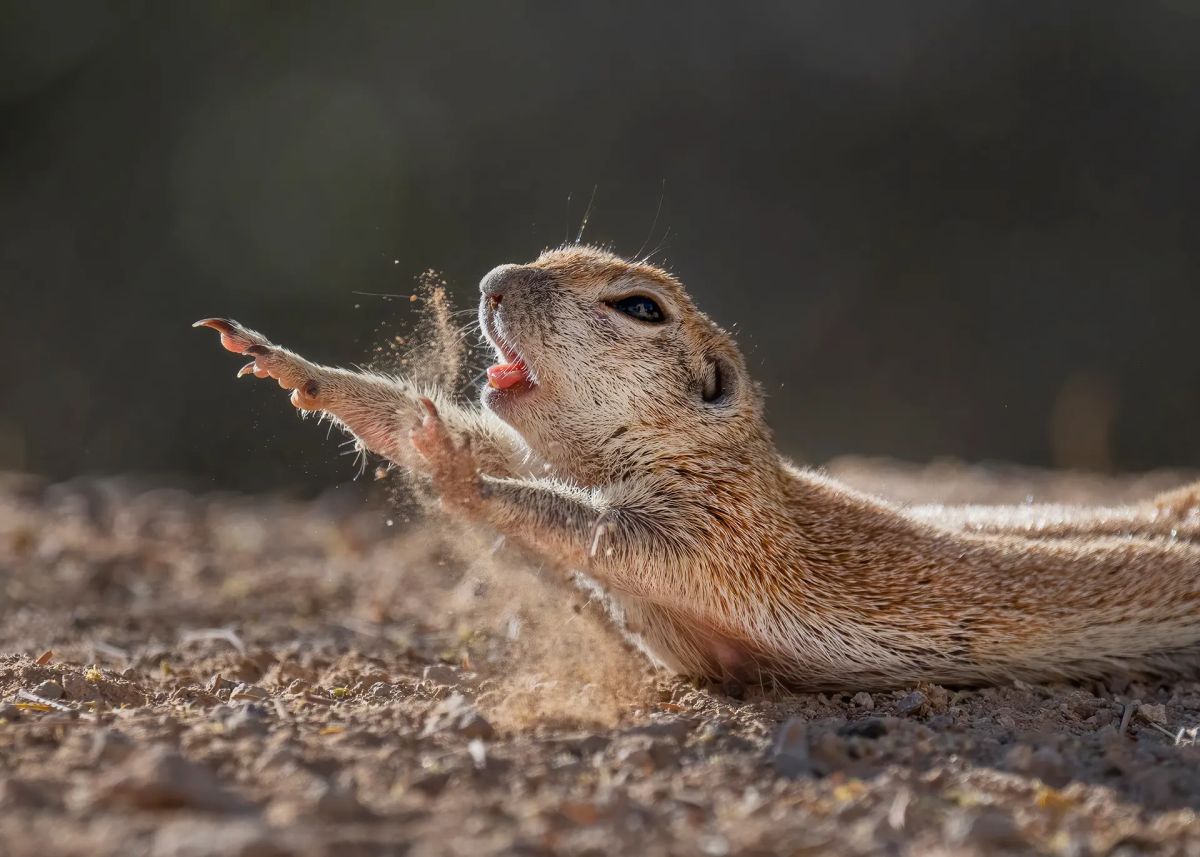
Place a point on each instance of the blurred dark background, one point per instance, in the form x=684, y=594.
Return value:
x=939, y=228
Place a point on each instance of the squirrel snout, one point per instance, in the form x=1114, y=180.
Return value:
x=499, y=280
x=504, y=279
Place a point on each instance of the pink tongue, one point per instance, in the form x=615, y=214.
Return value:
x=505, y=375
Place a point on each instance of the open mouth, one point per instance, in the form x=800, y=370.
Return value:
x=504, y=376
x=511, y=372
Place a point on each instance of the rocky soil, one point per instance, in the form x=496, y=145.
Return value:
x=186, y=674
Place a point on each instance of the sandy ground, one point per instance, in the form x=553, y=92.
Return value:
x=223, y=675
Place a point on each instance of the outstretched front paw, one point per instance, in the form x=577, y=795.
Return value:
x=451, y=465
x=270, y=361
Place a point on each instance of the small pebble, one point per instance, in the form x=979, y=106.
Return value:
x=379, y=690
x=871, y=727
x=159, y=778
x=911, y=703
x=110, y=747
x=17, y=793
x=218, y=682
x=431, y=784
x=76, y=687
x=248, y=692
x=645, y=753
x=986, y=830
x=789, y=756
x=863, y=700
x=442, y=674
x=1156, y=713
x=196, y=837
x=455, y=714
x=242, y=720
x=338, y=803
x=49, y=690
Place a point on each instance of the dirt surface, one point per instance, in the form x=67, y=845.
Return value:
x=222, y=675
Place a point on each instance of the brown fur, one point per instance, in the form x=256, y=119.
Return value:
x=722, y=559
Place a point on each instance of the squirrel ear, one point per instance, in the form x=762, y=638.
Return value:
x=718, y=380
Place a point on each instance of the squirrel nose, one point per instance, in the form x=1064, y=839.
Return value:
x=498, y=280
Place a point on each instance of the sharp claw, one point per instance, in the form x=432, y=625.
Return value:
x=429, y=406
x=234, y=337
x=247, y=369
x=221, y=325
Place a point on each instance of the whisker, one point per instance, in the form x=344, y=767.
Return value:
x=661, y=245
x=586, y=214
x=661, y=195
x=378, y=294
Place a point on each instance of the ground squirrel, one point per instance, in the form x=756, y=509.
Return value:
x=621, y=436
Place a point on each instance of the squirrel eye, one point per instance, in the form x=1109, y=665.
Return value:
x=640, y=307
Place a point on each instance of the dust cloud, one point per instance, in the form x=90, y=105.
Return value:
x=561, y=661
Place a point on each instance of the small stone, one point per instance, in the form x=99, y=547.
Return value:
x=911, y=703
x=110, y=747
x=870, y=727
x=248, y=670
x=474, y=726
x=76, y=687
x=379, y=690
x=938, y=697
x=714, y=846
x=987, y=830
x=1154, y=787
x=432, y=783
x=477, y=750
x=455, y=714
x=579, y=812
x=941, y=722
x=1047, y=765
x=338, y=803
x=1019, y=758
x=242, y=720
x=646, y=753
x=275, y=758
x=19, y=794
x=789, y=756
x=863, y=700
x=159, y=778
x=827, y=753
x=441, y=674
x=226, y=838
x=1156, y=713
x=49, y=690
x=218, y=683
x=248, y=693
